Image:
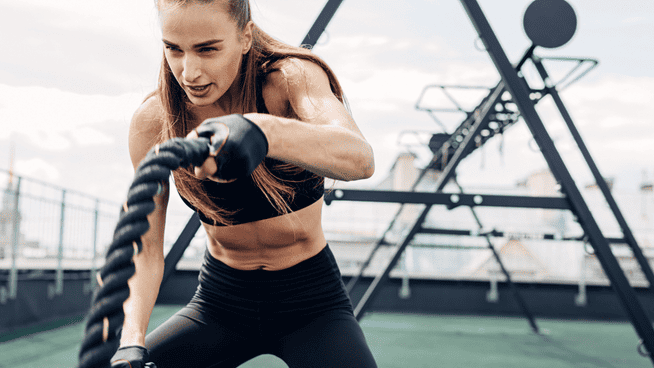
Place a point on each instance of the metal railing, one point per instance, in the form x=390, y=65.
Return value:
x=537, y=245
x=46, y=227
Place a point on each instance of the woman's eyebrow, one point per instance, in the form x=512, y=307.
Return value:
x=201, y=44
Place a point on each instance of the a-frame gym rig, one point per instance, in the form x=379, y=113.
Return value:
x=469, y=136
x=479, y=126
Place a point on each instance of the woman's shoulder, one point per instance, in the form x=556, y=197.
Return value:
x=150, y=111
x=145, y=128
x=287, y=78
x=292, y=69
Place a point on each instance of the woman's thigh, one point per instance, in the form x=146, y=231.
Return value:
x=334, y=339
x=191, y=339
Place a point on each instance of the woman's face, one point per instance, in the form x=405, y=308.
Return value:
x=204, y=49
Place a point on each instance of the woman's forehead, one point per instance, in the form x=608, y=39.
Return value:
x=195, y=22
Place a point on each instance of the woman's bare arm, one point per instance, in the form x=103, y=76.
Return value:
x=149, y=263
x=308, y=126
x=320, y=134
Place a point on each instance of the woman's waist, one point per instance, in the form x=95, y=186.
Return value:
x=250, y=252
x=316, y=270
x=271, y=244
x=314, y=278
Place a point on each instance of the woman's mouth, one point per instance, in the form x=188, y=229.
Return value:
x=198, y=91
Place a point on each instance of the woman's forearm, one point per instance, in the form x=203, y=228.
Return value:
x=149, y=267
x=327, y=150
x=143, y=292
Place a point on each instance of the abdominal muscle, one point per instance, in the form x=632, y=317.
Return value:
x=271, y=244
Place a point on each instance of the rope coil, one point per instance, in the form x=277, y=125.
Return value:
x=106, y=314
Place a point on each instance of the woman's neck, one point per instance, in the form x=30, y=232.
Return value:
x=228, y=104
x=201, y=113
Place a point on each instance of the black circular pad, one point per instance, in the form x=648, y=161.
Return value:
x=550, y=23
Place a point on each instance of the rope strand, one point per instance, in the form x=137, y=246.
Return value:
x=106, y=314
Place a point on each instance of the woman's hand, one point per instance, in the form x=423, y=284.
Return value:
x=131, y=357
x=238, y=146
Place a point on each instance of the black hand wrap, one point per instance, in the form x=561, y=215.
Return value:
x=238, y=145
x=131, y=357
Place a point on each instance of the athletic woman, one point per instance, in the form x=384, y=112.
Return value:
x=278, y=126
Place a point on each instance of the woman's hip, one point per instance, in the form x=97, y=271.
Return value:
x=309, y=287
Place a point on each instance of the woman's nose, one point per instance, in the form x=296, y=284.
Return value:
x=192, y=69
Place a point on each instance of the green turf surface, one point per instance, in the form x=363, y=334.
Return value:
x=401, y=341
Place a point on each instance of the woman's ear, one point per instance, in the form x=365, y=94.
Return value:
x=247, y=37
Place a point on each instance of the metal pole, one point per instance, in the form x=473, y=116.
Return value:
x=13, y=273
x=480, y=117
x=353, y=281
x=95, y=245
x=373, y=289
x=59, y=279
x=321, y=23
x=599, y=179
x=514, y=289
x=581, y=299
x=179, y=247
x=405, y=290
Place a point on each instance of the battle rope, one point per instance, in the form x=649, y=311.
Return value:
x=106, y=314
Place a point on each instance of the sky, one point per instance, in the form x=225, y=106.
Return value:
x=73, y=72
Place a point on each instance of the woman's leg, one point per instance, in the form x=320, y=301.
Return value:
x=332, y=340
x=192, y=339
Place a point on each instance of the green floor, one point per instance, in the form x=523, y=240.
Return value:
x=401, y=341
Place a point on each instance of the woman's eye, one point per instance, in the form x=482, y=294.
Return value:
x=172, y=48
x=208, y=49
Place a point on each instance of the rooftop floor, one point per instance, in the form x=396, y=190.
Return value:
x=404, y=340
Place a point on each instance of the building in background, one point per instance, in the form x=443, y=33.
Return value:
x=352, y=228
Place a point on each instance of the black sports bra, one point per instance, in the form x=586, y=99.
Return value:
x=249, y=202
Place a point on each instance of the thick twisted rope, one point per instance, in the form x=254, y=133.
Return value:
x=106, y=314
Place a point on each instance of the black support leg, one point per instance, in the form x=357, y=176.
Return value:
x=514, y=289
x=480, y=118
x=518, y=90
x=180, y=245
x=599, y=179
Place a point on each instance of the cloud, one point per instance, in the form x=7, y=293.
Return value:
x=86, y=47
x=49, y=115
x=117, y=16
x=614, y=117
x=49, y=141
x=87, y=136
x=613, y=114
x=614, y=108
x=633, y=20
x=38, y=168
x=615, y=89
x=94, y=62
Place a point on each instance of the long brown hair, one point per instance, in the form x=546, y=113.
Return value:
x=262, y=58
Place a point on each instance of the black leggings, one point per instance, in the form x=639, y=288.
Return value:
x=301, y=314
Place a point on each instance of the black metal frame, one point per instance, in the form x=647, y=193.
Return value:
x=179, y=247
x=524, y=98
x=519, y=90
x=468, y=131
x=474, y=124
x=451, y=200
x=321, y=23
x=454, y=200
x=601, y=183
